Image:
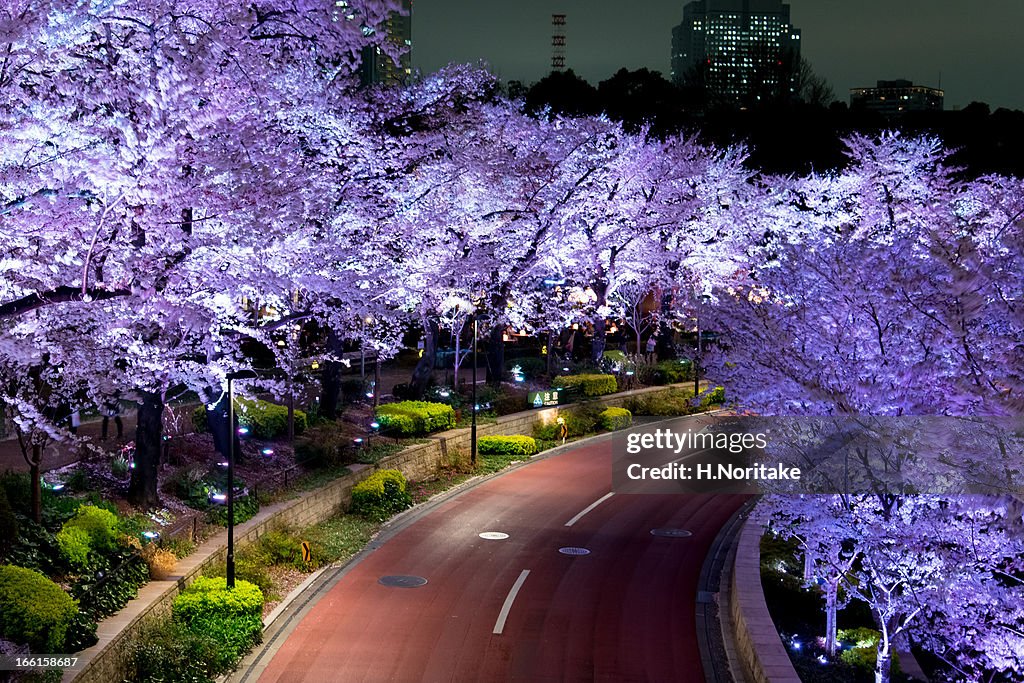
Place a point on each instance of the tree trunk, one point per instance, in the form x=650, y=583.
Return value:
x=552, y=338
x=808, y=566
x=883, y=657
x=597, y=349
x=457, y=360
x=35, y=471
x=496, y=355
x=424, y=369
x=330, y=379
x=142, y=489
x=831, y=628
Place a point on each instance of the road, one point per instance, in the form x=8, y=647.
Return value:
x=518, y=609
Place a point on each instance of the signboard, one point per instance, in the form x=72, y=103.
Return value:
x=541, y=399
x=307, y=552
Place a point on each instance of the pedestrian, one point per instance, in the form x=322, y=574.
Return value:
x=112, y=409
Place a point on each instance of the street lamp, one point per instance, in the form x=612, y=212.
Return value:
x=240, y=374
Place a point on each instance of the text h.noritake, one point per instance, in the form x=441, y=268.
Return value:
x=668, y=440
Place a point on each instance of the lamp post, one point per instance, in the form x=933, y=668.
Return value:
x=472, y=428
x=240, y=374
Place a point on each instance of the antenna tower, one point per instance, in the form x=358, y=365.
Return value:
x=557, y=42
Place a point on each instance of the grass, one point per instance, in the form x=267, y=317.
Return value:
x=338, y=538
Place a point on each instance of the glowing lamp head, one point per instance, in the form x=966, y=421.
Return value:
x=267, y=451
x=151, y=535
x=358, y=440
x=375, y=425
x=243, y=430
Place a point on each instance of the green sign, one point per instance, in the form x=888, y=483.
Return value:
x=540, y=399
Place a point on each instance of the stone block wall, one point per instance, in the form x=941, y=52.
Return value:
x=761, y=652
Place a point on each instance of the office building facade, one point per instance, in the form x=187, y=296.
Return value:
x=378, y=67
x=738, y=51
x=894, y=98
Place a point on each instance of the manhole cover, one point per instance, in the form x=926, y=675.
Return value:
x=402, y=581
x=494, y=535
x=671, y=533
x=574, y=551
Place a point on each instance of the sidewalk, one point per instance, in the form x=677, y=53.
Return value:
x=60, y=453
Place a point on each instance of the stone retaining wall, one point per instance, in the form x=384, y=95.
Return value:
x=761, y=652
x=107, y=661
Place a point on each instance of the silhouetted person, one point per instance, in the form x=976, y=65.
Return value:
x=112, y=409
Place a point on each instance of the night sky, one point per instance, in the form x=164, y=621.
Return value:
x=976, y=45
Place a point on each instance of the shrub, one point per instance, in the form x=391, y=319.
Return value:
x=264, y=420
x=579, y=421
x=615, y=418
x=667, y=403
x=714, y=397
x=675, y=371
x=589, y=385
x=380, y=495
x=167, y=652
x=864, y=651
x=8, y=524
x=100, y=524
x=245, y=508
x=530, y=366
x=506, y=445
x=415, y=417
x=74, y=546
x=281, y=548
x=160, y=562
x=104, y=593
x=231, y=618
x=321, y=446
x=33, y=609
x=91, y=529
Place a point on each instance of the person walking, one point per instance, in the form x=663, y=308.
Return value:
x=111, y=409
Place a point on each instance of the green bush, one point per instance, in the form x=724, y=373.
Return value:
x=506, y=445
x=589, y=385
x=281, y=548
x=615, y=418
x=74, y=546
x=167, y=652
x=104, y=593
x=91, y=529
x=321, y=446
x=409, y=418
x=245, y=508
x=666, y=403
x=231, y=618
x=579, y=421
x=263, y=419
x=34, y=610
x=380, y=495
x=864, y=651
x=714, y=397
x=675, y=371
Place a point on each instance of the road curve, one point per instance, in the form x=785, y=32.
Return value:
x=624, y=612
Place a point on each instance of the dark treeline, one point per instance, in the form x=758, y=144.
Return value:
x=794, y=136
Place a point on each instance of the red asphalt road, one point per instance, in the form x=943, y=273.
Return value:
x=625, y=612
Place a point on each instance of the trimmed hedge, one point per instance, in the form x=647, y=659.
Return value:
x=380, y=495
x=34, y=610
x=322, y=446
x=410, y=418
x=589, y=385
x=232, y=618
x=615, y=418
x=579, y=421
x=264, y=420
x=713, y=397
x=507, y=445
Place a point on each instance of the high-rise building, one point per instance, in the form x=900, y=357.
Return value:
x=892, y=98
x=379, y=67
x=738, y=51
